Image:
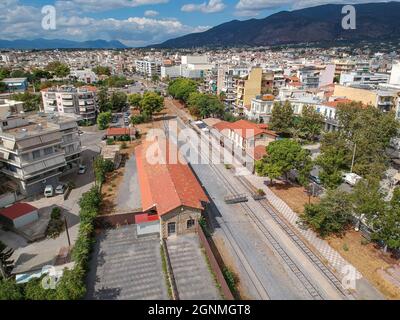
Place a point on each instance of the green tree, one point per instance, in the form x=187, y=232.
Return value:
x=9, y=290
x=333, y=160
x=59, y=69
x=367, y=199
x=31, y=101
x=118, y=101
x=155, y=78
x=102, y=70
x=282, y=157
x=386, y=228
x=181, y=88
x=103, y=120
x=103, y=101
x=204, y=105
x=3, y=87
x=310, y=123
x=151, y=103
x=331, y=216
x=282, y=118
x=135, y=100
x=4, y=73
x=6, y=265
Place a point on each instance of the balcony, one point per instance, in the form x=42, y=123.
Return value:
x=67, y=97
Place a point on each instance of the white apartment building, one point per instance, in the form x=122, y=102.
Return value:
x=67, y=100
x=261, y=108
x=363, y=79
x=36, y=150
x=148, y=68
x=9, y=107
x=192, y=67
x=86, y=76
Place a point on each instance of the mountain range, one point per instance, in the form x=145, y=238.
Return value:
x=374, y=21
x=42, y=44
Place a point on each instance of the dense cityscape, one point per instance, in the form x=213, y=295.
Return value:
x=230, y=173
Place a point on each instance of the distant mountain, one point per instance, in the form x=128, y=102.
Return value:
x=42, y=44
x=375, y=21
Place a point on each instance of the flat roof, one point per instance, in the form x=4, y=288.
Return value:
x=17, y=210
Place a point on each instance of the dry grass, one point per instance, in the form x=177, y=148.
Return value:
x=294, y=196
x=367, y=259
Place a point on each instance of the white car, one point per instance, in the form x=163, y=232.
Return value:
x=61, y=189
x=49, y=191
x=351, y=178
x=82, y=169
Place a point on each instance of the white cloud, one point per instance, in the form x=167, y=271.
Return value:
x=212, y=6
x=103, y=5
x=25, y=22
x=151, y=13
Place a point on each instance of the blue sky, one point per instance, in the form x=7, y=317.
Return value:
x=134, y=22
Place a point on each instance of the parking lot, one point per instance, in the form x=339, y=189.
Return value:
x=125, y=267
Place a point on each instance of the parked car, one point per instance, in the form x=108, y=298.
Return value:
x=82, y=169
x=61, y=189
x=351, y=178
x=315, y=179
x=49, y=191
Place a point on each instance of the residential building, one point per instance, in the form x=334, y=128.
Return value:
x=261, y=108
x=16, y=84
x=86, y=75
x=363, y=79
x=36, y=150
x=247, y=88
x=148, y=68
x=9, y=107
x=68, y=100
x=309, y=77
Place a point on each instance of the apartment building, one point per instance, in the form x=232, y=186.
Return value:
x=309, y=77
x=226, y=83
x=247, y=88
x=261, y=108
x=16, y=84
x=148, y=68
x=343, y=66
x=85, y=75
x=36, y=150
x=68, y=100
x=9, y=107
x=363, y=79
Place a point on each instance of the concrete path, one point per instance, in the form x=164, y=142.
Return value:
x=125, y=267
x=193, y=278
x=129, y=197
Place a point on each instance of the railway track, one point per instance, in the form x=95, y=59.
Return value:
x=308, y=285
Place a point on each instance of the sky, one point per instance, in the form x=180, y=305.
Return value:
x=135, y=23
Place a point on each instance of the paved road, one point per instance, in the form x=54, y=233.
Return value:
x=129, y=197
x=125, y=267
x=193, y=278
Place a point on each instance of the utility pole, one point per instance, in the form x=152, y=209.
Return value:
x=354, y=157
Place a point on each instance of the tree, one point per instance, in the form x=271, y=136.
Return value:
x=103, y=101
x=135, y=100
x=310, y=123
x=333, y=160
x=3, y=87
x=151, y=103
x=4, y=73
x=331, y=216
x=181, y=88
x=59, y=69
x=102, y=70
x=155, y=78
x=31, y=101
x=118, y=101
x=103, y=120
x=6, y=265
x=282, y=117
x=367, y=199
x=9, y=290
x=282, y=157
x=386, y=227
x=204, y=105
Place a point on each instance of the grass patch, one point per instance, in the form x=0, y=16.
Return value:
x=165, y=271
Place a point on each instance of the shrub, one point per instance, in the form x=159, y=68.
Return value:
x=124, y=145
x=231, y=279
x=56, y=213
x=110, y=141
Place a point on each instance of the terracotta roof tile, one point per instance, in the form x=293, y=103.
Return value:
x=17, y=210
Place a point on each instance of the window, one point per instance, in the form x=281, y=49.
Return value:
x=36, y=154
x=5, y=123
x=190, y=223
x=48, y=151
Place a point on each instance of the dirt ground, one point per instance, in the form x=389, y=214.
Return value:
x=294, y=196
x=367, y=259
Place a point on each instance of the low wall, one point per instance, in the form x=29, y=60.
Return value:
x=115, y=220
x=148, y=228
x=214, y=265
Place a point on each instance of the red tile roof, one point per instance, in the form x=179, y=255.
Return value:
x=168, y=186
x=335, y=103
x=246, y=129
x=17, y=210
x=145, y=217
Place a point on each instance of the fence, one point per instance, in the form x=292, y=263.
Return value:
x=214, y=265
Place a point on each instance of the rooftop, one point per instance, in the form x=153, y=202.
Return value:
x=17, y=210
